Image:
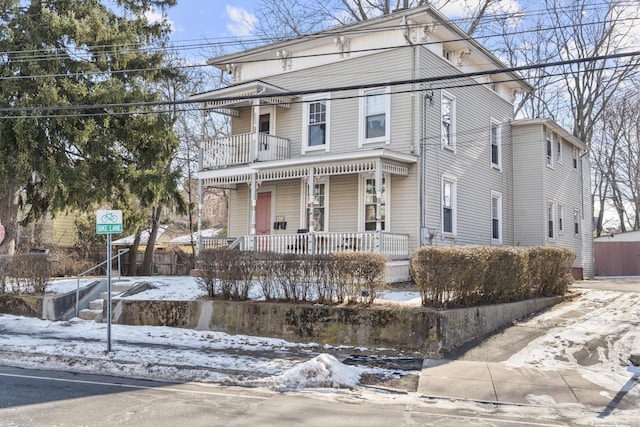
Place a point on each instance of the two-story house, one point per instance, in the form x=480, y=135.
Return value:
x=386, y=135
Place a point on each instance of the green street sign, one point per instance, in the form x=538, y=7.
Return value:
x=108, y=221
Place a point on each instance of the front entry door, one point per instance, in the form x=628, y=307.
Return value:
x=263, y=219
x=263, y=213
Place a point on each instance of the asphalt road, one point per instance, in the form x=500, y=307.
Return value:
x=54, y=398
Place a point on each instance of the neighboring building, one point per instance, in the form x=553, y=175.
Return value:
x=367, y=137
x=617, y=254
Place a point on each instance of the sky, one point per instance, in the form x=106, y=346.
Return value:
x=280, y=365
x=211, y=19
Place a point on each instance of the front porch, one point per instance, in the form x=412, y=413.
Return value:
x=395, y=246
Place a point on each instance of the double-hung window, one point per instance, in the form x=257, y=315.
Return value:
x=549, y=148
x=575, y=158
x=576, y=221
x=370, y=204
x=496, y=217
x=550, y=220
x=375, y=106
x=495, y=138
x=448, y=206
x=448, y=121
x=560, y=218
x=316, y=124
x=558, y=142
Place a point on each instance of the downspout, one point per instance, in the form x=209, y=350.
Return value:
x=256, y=123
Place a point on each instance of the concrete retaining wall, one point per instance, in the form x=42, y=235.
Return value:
x=429, y=332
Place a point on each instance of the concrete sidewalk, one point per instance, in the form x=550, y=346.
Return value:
x=495, y=382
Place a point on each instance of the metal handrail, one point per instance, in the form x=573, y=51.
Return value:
x=120, y=252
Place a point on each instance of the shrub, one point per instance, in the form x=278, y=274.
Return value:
x=31, y=272
x=359, y=276
x=468, y=275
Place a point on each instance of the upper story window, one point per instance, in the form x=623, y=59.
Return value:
x=495, y=137
x=560, y=218
x=575, y=158
x=549, y=148
x=558, y=143
x=576, y=221
x=449, y=206
x=448, y=119
x=447, y=53
x=316, y=124
x=375, y=110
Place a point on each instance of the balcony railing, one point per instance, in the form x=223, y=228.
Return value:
x=395, y=246
x=241, y=149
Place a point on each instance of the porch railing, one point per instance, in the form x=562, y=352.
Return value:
x=391, y=244
x=241, y=149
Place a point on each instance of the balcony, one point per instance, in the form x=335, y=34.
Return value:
x=243, y=149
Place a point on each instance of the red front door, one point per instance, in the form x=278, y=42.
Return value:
x=263, y=213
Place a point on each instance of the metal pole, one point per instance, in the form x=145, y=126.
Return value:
x=108, y=292
x=77, y=295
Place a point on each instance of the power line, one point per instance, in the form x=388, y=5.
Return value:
x=425, y=80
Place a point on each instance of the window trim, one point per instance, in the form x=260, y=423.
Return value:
x=560, y=218
x=307, y=101
x=449, y=179
x=575, y=159
x=304, y=214
x=362, y=133
x=551, y=220
x=362, y=182
x=548, y=137
x=496, y=123
x=495, y=195
x=559, y=145
x=576, y=222
x=451, y=146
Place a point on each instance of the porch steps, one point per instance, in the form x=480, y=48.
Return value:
x=96, y=307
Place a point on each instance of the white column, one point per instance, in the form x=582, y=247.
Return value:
x=254, y=202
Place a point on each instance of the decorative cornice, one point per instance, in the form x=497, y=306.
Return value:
x=343, y=44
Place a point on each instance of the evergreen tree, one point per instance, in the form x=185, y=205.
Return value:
x=68, y=69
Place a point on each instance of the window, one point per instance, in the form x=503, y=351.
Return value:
x=496, y=217
x=448, y=115
x=319, y=208
x=560, y=218
x=575, y=158
x=370, y=204
x=576, y=221
x=375, y=106
x=496, y=144
x=549, y=148
x=316, y=124
x=447, y=53
x=448, y=206
x=550, y=220
x=558, y=142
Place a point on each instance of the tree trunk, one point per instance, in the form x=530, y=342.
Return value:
x=148, y=252
x=133, y=254
x=9, y=217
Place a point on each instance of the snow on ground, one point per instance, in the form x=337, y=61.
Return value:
x=164, y=352
x=597, y=328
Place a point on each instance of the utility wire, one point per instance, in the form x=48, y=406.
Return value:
x=302, y=92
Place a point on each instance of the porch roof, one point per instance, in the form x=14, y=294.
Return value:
x=241, y=95
x=392, y=162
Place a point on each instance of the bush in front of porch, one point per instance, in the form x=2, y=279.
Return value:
x=464, y=276
x=340, y=278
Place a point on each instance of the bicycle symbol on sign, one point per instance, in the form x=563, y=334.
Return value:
x=109, y=217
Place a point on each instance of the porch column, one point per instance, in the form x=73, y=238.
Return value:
x=378, y=205
x=256, y=127
x=311, y=210
x=254, y=202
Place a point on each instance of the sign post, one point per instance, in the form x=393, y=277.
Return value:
x=108, y=222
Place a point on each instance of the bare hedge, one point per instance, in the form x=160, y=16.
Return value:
x=470, y=275
x=326, y=279
x=26, y=273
